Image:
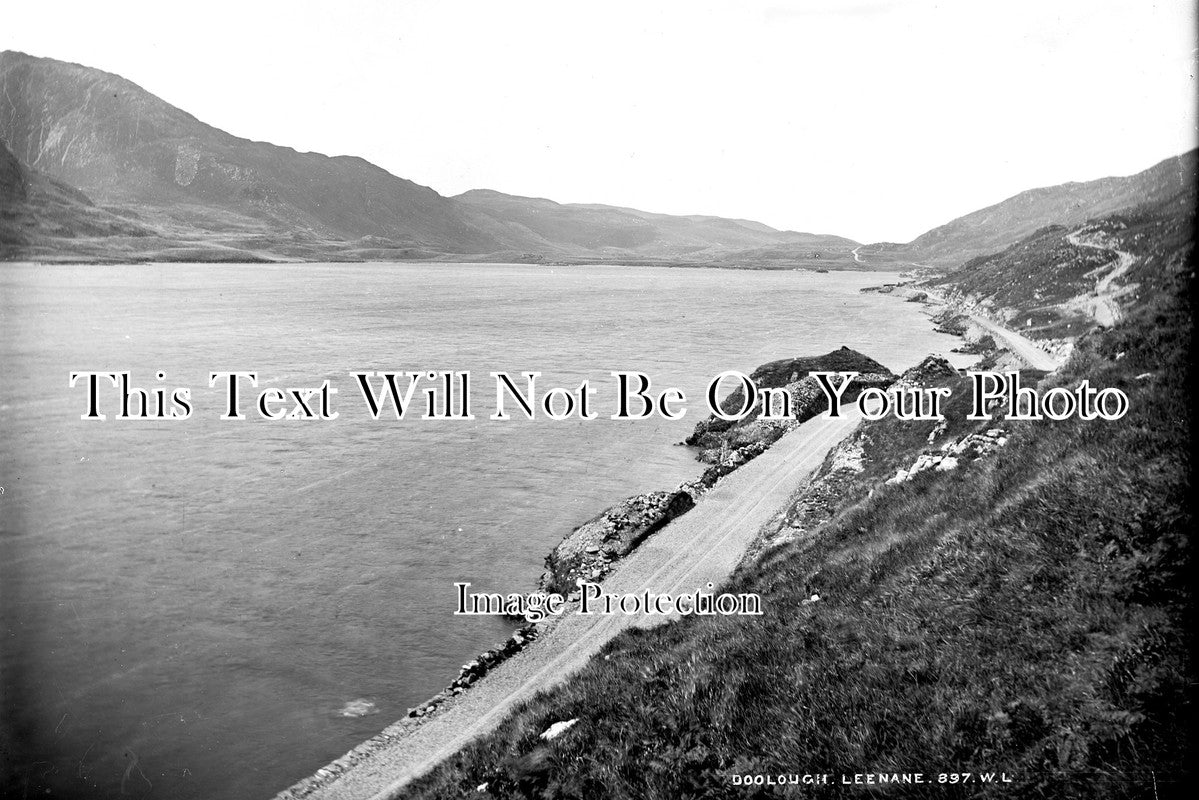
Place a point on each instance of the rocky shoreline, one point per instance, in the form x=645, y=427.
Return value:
x=591, y=550
x=954, y=318
x=594, y=548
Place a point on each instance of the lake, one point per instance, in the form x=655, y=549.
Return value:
x=207, y=608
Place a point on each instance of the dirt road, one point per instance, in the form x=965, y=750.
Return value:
x=701, y=546
x=1103, y=307
x=1021, y=346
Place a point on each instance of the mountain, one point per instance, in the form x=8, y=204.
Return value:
x=199, y=193
x=992, y=229
x=123, y=146
x=115, y=173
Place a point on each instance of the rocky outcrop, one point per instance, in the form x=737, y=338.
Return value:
x=933, y=368
x=589, y=550
x=718, y=439
x=952, y=454
x=592, y=549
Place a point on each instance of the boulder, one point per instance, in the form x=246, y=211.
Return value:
x=932, y=369
x=721, y=440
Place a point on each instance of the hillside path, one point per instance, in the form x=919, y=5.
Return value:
x=1104, y=307
x=703, y=545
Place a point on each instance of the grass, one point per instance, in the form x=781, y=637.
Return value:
x=1044, y=268
x=1026, y=613
x=1030, y=280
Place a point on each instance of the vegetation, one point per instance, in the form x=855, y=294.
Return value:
x=1025, y=613
x=1032, y=280
x=992, y=229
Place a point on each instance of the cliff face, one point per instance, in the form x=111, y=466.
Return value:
x=12, y=180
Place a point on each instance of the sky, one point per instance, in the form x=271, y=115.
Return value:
x=871, y=119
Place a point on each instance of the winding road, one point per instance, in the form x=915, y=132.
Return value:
x=1104, y=307
x=704, y=545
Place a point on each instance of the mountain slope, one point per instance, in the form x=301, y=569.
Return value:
x=36, y=210
x=122, y=145
x=995, y=227
x=207, y=194
x=199, y=193
x=1062, y=280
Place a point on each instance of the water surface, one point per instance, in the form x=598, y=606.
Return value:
x=210, y=609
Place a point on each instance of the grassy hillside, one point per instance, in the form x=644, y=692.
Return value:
x=37, y=211
x=1026, y=612
x=1040, y=284
x=1043, y=268
x=1029, y=285
x=991, y=229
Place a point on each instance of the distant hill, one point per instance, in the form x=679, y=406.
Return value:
x=611, y=230
x=200, y=193
x=115, y=173
x=991, y=229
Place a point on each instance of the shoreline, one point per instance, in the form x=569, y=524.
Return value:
x=695, y=550
x=242, y=261
x=488, y=660
x=594, y=562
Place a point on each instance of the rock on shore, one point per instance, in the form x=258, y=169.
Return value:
x=591, y=550
x=718, y=439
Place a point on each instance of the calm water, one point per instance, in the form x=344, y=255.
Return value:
x=189, y=606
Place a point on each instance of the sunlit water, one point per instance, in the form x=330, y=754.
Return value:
x=207, y=608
